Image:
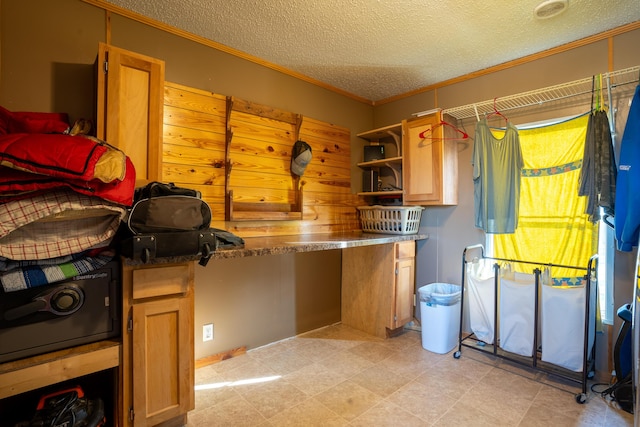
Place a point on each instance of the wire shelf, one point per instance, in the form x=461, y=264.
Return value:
x=539, y=97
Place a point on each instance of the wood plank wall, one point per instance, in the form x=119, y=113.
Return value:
x=194, y=133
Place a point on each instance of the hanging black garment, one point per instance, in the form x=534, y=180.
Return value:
x=598, y=174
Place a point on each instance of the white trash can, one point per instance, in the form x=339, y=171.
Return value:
x=440, y=316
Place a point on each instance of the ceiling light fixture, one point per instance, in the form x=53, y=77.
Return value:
x=550, y=8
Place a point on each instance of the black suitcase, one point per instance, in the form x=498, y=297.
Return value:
x=170, y=221
x=167, y=221
x=145, y=247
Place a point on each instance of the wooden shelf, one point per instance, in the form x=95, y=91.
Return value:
x=381, y=193
x=391, y=162
x=383, y=132
x=392, y=133
x=39, y=371
x=263, y=211
x=378, y=135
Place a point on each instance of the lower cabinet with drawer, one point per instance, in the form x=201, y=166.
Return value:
x=157, y=369
x=378, y=285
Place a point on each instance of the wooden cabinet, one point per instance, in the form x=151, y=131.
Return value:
x=130, y=107
x=425, y=169
x=157, y=370
x=378, y=285
x=155, y=357
x=430, y=162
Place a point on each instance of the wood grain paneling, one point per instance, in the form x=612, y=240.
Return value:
x=260, y=154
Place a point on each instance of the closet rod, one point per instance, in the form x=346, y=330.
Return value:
x=541, y=96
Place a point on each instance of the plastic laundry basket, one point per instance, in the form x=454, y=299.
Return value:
x=440, y=316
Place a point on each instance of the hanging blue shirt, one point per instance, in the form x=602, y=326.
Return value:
x=627, y=206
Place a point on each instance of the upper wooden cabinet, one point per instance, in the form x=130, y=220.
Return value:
x=129, y=111
x=430, y=161
x=425, y=164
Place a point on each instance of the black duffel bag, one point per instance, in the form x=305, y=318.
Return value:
x=168, y=221
x=169, y=214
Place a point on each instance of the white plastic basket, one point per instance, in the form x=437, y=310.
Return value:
x=390, y=219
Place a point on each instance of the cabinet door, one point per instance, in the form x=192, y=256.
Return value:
x=430, y=163
x=130, y=107
x=404, y=284
x=367, y=288
x=162, y=362
x=404, y=292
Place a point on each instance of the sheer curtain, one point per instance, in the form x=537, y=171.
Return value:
x=553, y=226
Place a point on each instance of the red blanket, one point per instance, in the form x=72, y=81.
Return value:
x=35, y=155
x=62, y=156
x=16, y=184
x=32, y=122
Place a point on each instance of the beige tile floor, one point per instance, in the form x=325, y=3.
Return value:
x=337, y=376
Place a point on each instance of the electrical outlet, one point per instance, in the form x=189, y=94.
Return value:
x=207, y=332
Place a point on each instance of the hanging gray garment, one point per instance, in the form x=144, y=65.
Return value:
x=605, y=164
x=497, y=165
x=586, y=180
x=598, y=173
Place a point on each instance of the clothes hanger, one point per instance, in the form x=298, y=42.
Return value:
x=603, y=105
x=424, y=134
x=496, y=112
x=597, y=94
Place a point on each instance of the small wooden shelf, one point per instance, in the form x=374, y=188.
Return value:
x=386, y=134
x=264, y=211
x=35, y=372
x=377, y=135
x=392, y=162
x=381, y=193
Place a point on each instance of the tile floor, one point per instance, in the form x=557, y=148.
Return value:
x=337, y=376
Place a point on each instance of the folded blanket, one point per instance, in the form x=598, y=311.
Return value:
x=24, y=275
x=16, y=184
x=62, y=156
x=56, y=223
x=32, y=122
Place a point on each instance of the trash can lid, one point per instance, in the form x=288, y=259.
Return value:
x=439, y=289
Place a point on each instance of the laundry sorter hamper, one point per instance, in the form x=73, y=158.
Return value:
x=480, y=281
x=563, y=325
x=560, y=340
x=517, y=313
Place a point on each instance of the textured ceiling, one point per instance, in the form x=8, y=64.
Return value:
x=376, y=49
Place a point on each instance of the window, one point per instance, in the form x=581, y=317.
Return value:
x=606, y=252
x=552, y=225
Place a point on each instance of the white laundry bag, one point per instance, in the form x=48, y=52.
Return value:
x=481, y=284
x=517, y=313
x=563, y=324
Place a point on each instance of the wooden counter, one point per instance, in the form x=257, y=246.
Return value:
x=277, y=245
